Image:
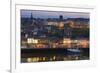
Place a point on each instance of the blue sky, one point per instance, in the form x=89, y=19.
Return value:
x=53, y=14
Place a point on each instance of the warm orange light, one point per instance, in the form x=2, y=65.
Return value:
x=61, y=25
x=65, y=41
x=72, y=24
x=84, y=43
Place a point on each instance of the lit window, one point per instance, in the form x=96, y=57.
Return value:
x=32, y=40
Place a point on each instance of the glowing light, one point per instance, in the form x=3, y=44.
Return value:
x=76, y=58
x=50, y=59
x=35, y=41
x=75, y=41
x=37, y=58
x=54, y=46
x=32, y=40
x=44, y=58
x=84, y=43
x=54, y=57
x=66, y=41
x=61, y=25
x=34, y=59
x=29, y=60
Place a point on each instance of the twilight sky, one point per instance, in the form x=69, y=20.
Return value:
x=53, y=14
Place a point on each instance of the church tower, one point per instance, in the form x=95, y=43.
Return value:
x=31, y=17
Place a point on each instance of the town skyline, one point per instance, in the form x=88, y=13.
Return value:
x=51, y=36
x=52, y=14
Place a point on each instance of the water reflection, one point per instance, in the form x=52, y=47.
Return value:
x=56, y=55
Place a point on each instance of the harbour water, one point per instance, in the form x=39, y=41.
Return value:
x=31, y=55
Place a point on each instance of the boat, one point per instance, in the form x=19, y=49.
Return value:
x=74, y=50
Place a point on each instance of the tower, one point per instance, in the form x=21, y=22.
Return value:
x=61, y=17
x=31, y=17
